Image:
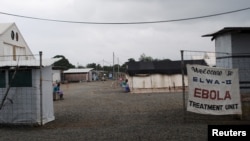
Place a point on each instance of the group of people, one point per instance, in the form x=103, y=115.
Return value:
x=57, y=91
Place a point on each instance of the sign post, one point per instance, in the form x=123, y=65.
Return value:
x=213, y=91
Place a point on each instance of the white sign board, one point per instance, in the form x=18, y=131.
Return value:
x=213, y=91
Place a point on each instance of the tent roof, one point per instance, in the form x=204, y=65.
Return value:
x=29, y=63
x=228, y=30
x=160, y=67
x=85, y=70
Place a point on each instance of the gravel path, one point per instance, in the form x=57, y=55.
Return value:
x=94, y=111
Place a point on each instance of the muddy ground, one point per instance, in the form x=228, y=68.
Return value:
x=100, y=111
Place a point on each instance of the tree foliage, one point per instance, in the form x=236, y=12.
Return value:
x=94, y=66
x=131, y=60
x=63, y=63
x=144, y=58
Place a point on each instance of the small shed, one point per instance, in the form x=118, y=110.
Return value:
x=78, y=75
x=233, y=51
x=26, y=92
x=157, y=76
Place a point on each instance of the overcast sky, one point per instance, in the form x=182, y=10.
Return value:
x=93, y=43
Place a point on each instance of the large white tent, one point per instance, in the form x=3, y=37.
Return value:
x=157, y=76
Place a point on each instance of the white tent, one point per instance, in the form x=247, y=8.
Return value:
x=155, y=83
x=29, y=104
x=158, y=76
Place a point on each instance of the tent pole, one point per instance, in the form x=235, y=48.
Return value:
x=41, y=91
x=151, y=83
x=183, y=83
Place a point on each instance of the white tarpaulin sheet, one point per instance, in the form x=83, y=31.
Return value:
x=213, y=90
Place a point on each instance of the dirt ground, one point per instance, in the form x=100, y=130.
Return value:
x=97, y=111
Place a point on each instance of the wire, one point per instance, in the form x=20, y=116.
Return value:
x=143, y=22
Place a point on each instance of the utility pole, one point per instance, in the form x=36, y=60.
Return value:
x=118, y=68
x=41, y=88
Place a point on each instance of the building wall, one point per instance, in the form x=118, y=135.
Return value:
x=75, y=77
x=90, y=76
x=47, y=94
x=223, y=45
x=241, y=59
x=237, y=45
x=56, y=75
x=78, y=77
x=240, y=43
x=14, y=45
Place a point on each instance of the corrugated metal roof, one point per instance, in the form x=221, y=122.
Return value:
x=85, y=70
x=29, y=63
x=228, y=30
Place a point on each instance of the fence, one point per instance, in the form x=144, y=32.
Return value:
x=20, y=90
x=223, y=60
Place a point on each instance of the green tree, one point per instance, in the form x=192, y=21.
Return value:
x=94, y=66
x=91, y=65
x=81, y=66
x=98, y=67
x=131, y=60
x=63, y=63
x=123, y=67
x=145, y=58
